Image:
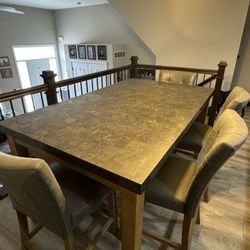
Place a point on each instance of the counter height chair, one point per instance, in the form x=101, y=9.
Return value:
x=181, y=182
x=236, y=100
x=195, y=136
x=57, y=200
x=181, y=77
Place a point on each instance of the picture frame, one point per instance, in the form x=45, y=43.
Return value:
x=102, y=52
x=81, y=51
x=72, y=51
x=91, y=52
x=6, y=73
x=4, y=61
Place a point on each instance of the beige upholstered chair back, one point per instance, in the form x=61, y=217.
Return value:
x=226, y=137
x=182, y=77
x=34, y=191
x=237, y=100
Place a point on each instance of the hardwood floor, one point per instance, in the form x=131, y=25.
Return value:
x=225, y=220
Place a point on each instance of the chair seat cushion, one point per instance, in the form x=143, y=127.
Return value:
x=170, y=187
x=193, y=139
x=82, y=194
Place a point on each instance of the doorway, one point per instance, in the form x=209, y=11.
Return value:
x=31, y=61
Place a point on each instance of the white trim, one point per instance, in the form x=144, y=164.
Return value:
x=33, y=46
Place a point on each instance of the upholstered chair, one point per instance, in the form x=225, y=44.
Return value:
x=57, y=200
x=193, y=139
x=236, y=100
x=181, y=77
x=181, y=181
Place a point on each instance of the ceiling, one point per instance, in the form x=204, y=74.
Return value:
x=53, y=4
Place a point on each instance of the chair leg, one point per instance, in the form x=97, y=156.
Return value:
x=187, y=232
x=24, y=229
x=198, y=219
x=113, y=212
x=69, y=243
x=243, y=112
x=206, y=195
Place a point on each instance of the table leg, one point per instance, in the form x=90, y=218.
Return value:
x=206, y=195
x=202, y=118
x=17, y=149
x=132, y=207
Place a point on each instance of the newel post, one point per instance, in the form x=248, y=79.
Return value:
x=133, y=69
x=49, y=80
x=219, y=79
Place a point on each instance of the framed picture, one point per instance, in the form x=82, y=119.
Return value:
x=6, y=73
x=72, y=51
x=91, y=53
x=4, y=61
x=81, y=51
x=102, y=52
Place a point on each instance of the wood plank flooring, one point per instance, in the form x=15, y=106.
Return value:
x=225, y=220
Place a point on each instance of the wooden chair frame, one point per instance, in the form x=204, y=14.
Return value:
x=187, y=232
x=69, y=243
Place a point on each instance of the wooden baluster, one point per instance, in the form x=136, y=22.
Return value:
x=1, y=114
x=33, y=103
x=68, y=91
x=41, y=96
x=81, y=88
x=216, y=97
x=61, y=95
x=23, y=105
x=102, y=81
x=74, y=85
x=87, y=86
x=12, y=108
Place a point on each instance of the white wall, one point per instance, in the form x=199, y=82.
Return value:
x=193, y=33
x=242, y=70
x=36, y=26
x=99, y=24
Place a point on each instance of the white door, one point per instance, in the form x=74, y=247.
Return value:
x=96, y=67
x=84, y=68
x=35, y=68
x=79, y=69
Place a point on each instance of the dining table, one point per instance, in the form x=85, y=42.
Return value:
x=120, y=136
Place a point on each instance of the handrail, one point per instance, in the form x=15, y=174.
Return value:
x=210, y=79
x=77, y=79
x=4, y=97
x=161, y=67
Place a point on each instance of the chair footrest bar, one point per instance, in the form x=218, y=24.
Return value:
x=162, y=239
x=100, y=233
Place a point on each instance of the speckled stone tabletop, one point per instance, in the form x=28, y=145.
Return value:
x=122, y=132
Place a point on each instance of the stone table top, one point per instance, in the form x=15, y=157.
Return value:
x=122, y=132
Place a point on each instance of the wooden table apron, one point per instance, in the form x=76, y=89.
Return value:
x=120, y=136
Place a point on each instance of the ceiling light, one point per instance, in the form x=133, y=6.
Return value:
x=10, y=10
